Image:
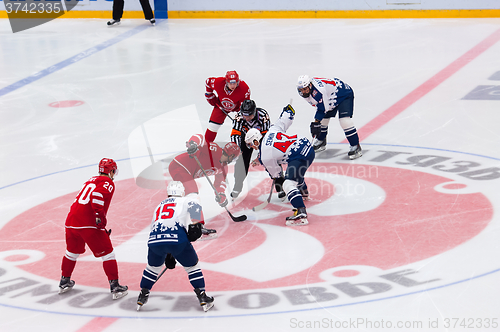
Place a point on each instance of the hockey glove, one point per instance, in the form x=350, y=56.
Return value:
x=289, y=109
x=221, y=199
x=100, y=221
x=193, y=147
x=212, y=99
x=315, y=128
x=170, y=261
x=194, y=232
x=278, y=183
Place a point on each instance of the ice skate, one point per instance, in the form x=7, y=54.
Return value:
x=113, y=22
x=318, y=145
x=355, y=152
x=206, y=302
x=65, y=285
x=117, y=291
x=143, y=298
x=152, y=21
x=234, y=194
x=299, y=217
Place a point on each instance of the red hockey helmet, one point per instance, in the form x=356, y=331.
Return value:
x=232, y=77
x=232, y=150
x=107, y=165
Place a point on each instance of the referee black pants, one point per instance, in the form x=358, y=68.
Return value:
x=118, y=9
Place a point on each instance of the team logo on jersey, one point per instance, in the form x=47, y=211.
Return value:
x=228, y=104
x=399, y=220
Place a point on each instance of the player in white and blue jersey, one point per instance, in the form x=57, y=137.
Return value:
x=277, y=148
x=176, y=223
x=330, y=96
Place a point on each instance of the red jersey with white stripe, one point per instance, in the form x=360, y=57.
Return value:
x=230, y=100
x=209, y=156
x=93, y=200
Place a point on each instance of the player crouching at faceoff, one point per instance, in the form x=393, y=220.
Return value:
x=278, y=148
x=85, y=224
x=214, y=160
x=176, y=223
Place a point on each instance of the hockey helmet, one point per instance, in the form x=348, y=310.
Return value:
x=248, y=108
x=304, y=81
x=252, y=135
x=107, y=165
x=232, y=77
x=175, y=188
x=232, y=150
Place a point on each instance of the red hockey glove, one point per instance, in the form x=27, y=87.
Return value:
x=100, y=221
x=221, y=199
x=213, y=99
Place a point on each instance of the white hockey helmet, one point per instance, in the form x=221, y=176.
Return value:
x=175, y=188
x=304, y=81
x=251, y=135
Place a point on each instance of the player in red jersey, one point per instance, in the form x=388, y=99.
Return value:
x=214, y=160
x=85, y=224
x=225, y=94
x=212, y=157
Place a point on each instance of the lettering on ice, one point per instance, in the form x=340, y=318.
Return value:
x=328, y=293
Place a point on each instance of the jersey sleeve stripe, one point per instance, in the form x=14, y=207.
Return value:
x=235, y=132
x=98, y=202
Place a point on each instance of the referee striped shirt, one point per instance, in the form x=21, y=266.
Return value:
x=261, y=121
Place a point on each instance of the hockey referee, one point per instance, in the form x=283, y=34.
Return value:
x=248, y=117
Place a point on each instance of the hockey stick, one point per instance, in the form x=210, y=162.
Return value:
x=139, y=306
x=263, y=205
x=227, y=114
x=235, y=219
x=159, y=276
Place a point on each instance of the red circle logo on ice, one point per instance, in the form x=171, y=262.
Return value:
x=359, y=215
x=66, y=103
x=398, y=221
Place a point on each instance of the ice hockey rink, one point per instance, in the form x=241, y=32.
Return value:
x=406, y=238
